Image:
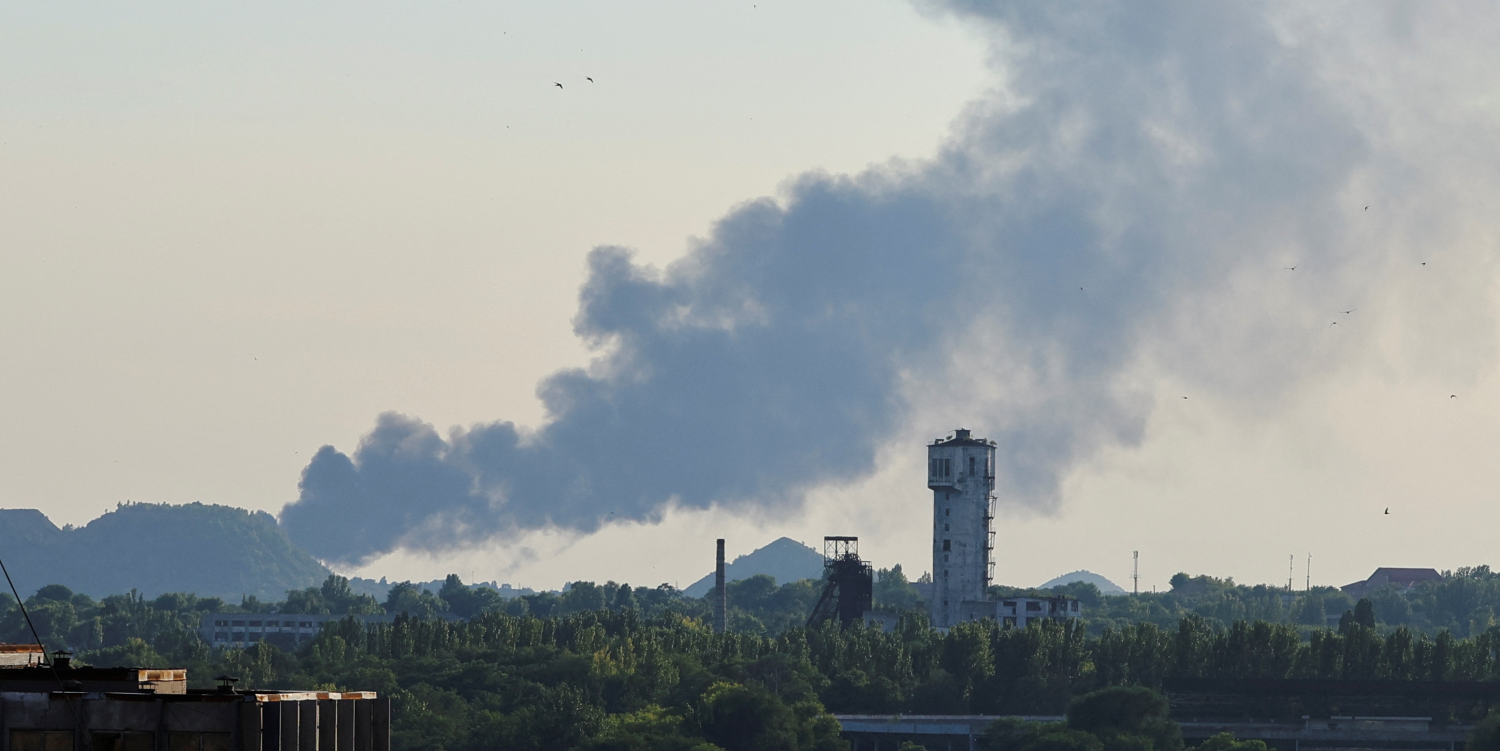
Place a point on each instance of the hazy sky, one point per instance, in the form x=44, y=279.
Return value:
x=231, y=237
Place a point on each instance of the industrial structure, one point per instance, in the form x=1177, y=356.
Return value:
x=721, y=593
x=961, y=475
x=59, y=707
x=20, y=655
x=849, y=591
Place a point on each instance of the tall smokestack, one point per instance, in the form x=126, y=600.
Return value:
x=721, y=598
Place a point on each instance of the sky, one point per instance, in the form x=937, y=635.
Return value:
x=1220, y=281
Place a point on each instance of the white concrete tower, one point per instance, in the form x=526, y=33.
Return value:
x=961, y=475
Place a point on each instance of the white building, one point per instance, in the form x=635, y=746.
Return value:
x=1018, y=612
x=961, y=475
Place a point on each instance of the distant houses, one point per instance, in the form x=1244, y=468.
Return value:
x=1405, y=578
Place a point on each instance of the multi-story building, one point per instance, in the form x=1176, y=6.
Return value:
x=1019, y=612
x=64, y=708
x=961, y=475
x=281, y=629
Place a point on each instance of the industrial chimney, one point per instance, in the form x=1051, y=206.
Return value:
x=721, y=598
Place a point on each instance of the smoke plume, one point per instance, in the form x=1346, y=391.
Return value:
x=1135, y=163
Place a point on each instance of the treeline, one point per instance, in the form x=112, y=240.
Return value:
x=644, y=670
x=623, y=680
x=1465, y=603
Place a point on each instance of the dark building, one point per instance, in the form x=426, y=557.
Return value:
x=63, y=708
x=850, y=590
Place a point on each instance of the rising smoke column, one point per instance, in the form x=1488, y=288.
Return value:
x=1136, y=158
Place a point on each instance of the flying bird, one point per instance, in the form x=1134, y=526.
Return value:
x=1331, y=325
x=1453, y=396
x=558, y=85
x=1367, y=208
x=1347, y=312
x=1291, y=268
x=1387, y=510
x=590, y=80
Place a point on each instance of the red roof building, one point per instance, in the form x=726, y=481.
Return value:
x=1405, y=578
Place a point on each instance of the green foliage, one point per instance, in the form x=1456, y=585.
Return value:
x=1119, y=718
x=1126, y=718
x=1485, y=735
x=405, y=598
x=1227, y=742
x=641, y=670
x=1466, y=603
x=893, y=591
x=334, y=597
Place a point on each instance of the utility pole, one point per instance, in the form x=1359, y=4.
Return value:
x=1290, y=559
x=1309, y=572
x=1135, y=576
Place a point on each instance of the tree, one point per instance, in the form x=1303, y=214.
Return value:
x=893, y=591
x=1180, y=581
x=1364, y=613
x=1312, y=612
x=624, y=598
x=1011, y=734
x=1123, y=716
x=51, y=593
x=748, y=718
x=581, y=597
x=418, y=603
x=466, y=600
x=1486, y=733
x=134, y=653
x=1227, y=742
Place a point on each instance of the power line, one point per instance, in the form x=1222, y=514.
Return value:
x=50, y=663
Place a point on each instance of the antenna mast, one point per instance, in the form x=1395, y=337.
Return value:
x=1135, y=576
x=1290, y=559
x=1309, y=572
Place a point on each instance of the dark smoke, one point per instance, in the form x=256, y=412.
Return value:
x=1142, y=152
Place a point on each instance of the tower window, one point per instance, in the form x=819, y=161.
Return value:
x=945, y=528
x=947, y=544
x=947, y=468
x=946, y=510
x=971, y=466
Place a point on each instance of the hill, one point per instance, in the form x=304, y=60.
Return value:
x=785, y=560
x=1105, y=586
x=211, y=551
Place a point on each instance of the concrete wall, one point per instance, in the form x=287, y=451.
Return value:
x=961, y=476
x=239, y=722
